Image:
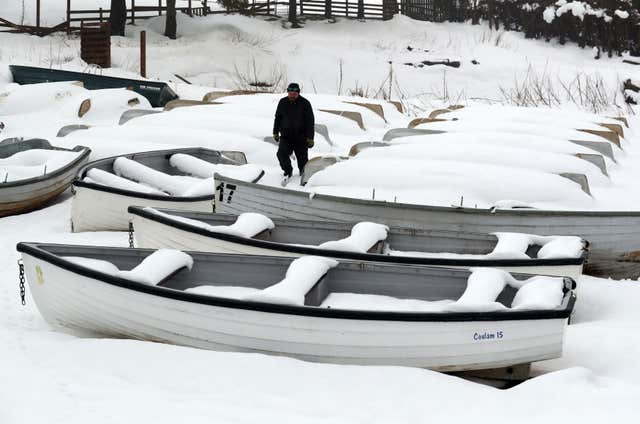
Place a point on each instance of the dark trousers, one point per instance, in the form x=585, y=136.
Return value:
x=285, y=148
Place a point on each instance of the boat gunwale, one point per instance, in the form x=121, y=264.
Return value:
x=38, y=251
x=356, y=256
x=77, y=182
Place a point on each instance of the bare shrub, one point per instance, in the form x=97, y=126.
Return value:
x=254, y=78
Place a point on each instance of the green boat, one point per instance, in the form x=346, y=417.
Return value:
x=158, y=93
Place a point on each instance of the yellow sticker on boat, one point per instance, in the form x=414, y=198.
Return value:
x=39, y=274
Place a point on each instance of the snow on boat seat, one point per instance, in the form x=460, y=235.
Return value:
x=175, y=185
x=99, y=265
x=247, y=225
x=301, y=276
x=484, y=286
x=515, y=246
x=202, y=169
x=100, y=177
x=364, y=236
x=153, y=269
x=230, y=292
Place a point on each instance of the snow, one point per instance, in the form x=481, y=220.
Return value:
x=302, y=275
x=364, y=235
x=374, y=302
x=99, y=265
x=75, y=379
x=247, y=225
x=539, y=293
x=203, y=169
x=175, y=185
x=515, y=245
x=98, y=176
x=34, y=163
x=231, y=292
x=158, y=266
x=483, y=288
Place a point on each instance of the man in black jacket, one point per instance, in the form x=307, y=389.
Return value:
x=293, y=129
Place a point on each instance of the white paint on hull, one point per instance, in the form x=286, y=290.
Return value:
x=68, y=300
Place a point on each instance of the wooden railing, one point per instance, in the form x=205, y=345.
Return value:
x=77, y=17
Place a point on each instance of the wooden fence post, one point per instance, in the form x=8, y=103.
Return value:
x=143, y=54
x=133, y=12
x=68, y=17
x=327, y=9
x=100, y=14
x=190, y=12
x=38, y=14
x=159, y=7
x=360, y=9
x=206, y=9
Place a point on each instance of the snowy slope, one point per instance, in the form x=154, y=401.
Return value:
x=49, y=376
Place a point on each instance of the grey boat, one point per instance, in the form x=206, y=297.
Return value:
x=162, y=228
x=27, y=194
x=613, y=236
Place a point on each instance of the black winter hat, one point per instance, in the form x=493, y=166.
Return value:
x=293, y=87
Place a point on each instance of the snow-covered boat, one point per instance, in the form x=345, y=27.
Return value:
x=310, y=308
x=175, y=179
x=158, y=93
x=33, y=172
x=613, y=236
x=255, y=234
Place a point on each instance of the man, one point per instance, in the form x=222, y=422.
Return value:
x=293, y=130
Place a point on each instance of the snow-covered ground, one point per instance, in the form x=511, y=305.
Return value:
x=48, y=376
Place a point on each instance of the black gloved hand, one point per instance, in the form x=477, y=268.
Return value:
x=276, y=137
x=310, y=143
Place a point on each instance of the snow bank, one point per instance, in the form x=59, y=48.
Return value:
x=539, y=293
x=175, y=185
x=29, y=98
x=99, y=265
x=364, y=235
x=158, y=266
x=34, y=163
x=302, y=275
x=247, y=225
x=203, y=169
x=515, y=245
x=98, y=176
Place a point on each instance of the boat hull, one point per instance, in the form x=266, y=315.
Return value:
x=150, y=233
x=97, y=210
x=73, y=302
x=30, y=194
x=158, y=93
x=614, y=237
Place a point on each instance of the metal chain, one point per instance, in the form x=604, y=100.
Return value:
x=131, y=234
x=21, y=279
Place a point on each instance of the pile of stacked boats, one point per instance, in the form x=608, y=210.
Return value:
x=220, y=261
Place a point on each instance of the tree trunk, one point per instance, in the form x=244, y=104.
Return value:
x=118, y=16
x=171, y=27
